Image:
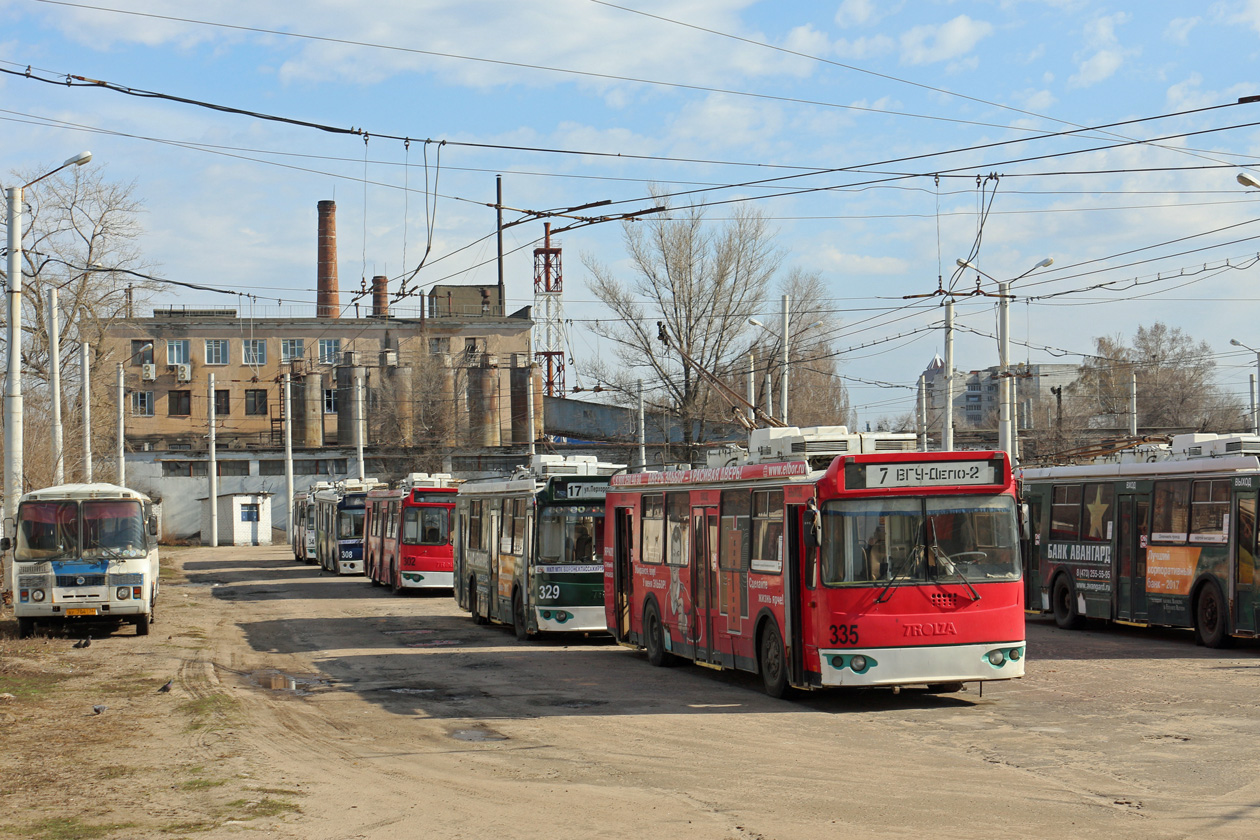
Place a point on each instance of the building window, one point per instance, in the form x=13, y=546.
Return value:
x=142, y=403
x=254, y=351
x=237, y=466
x=222, y=403
x=179, y=403
x=249, y=512
x=317, y=467
x=141, y=355
x=216, y=351
x=330, y=400
x=178, y=352
x=973, y=386
x=439, y=346
x=329, y=351
x=256, y=401
x=179, y=447
x=292, y=350
x=184, y=468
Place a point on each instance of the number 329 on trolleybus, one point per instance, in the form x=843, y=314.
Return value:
x=883, y=570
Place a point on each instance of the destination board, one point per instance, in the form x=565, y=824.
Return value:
x=935, y=474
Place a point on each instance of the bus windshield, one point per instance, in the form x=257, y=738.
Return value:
x=573, y=536
x=47, y=530
x=936, y=538
x=113, y=528
x=426, y=526
x=350, y=524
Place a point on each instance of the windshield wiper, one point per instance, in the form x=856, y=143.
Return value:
x=951, y=568
x=906, y=567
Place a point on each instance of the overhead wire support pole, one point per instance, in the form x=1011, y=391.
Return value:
x=213, y=471
x=86, y=396
x=288, y=459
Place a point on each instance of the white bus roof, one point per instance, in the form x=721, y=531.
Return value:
x=83, y=491
x=1236, y=463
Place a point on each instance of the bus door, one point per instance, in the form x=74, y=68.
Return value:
x=623, y=573
x=492, y=559
x=1246, y=610
x=1129, y=561
x=704, y=556
x=799, y=568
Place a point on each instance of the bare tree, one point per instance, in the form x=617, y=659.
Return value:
x=696, y=285
x=81, y=235
x=1176, y=384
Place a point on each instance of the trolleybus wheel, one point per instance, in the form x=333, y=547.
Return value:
x=518, y=616
x=654, y=638
x=944, y=688
x=1210, y=623
x=395, y=585
x=26, y=628
x=1064, y=600
x=772, y=663
x=473, y=606
x=142, y=625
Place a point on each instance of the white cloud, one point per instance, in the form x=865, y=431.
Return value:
x=1098, y=67
x=1106, y=55
x=855, y=13
x=856, y=264
x=1249, y=15
x=864, y=48
x=929, y=43
x=1178, y=29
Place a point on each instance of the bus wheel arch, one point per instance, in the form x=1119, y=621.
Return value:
x=1063, y=603
x=1210, y=614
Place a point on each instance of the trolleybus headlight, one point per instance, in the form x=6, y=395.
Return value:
x=37, y=595
x=996, y=658
x=123, y=593
x=1015, y=654
x=858, y=663
x=562, y=616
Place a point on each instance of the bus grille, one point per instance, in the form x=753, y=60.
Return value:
x=32, y=581
x=80, y=580
x=128, y=579
x=944, y=600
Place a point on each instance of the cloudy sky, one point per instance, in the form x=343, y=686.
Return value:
x=866, y=131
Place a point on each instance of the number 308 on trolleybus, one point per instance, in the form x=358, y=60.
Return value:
x=886, y=569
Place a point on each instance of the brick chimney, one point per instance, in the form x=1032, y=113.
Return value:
x=380, y=296
x=327, y=297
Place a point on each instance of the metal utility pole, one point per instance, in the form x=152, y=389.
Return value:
x=529, y=410
x=1133, y=404
x=288, y=459
x=1004, y=368
x=358, y=422
x=752, y=387
x=86, y=396
x=213, y=470
x=122, y=460
x=921, y=414
x=54, y=381
x=947, y=431
x=643, y=433
x=783, y=386
x=1255, y=418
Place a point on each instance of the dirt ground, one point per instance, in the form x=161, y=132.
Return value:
x=309, y=706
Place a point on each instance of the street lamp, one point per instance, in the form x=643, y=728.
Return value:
x=1249, y=180
x=13, y=388
x=1255, y=416
x=1006, y=429
x=784, y=338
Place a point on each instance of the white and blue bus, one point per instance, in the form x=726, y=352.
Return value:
x=84, y=553
x=339, y=519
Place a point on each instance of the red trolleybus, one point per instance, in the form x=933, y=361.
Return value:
x=885, y=570
x=408, y=543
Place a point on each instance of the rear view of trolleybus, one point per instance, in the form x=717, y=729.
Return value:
x=84, y=553
x=886, y=568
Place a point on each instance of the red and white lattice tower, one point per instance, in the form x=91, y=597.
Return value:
x=549, y=314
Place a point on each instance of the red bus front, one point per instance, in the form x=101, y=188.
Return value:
x=426, y=556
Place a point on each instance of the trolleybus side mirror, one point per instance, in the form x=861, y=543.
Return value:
x=5, y=544
x=153, y=525
x=810, y=519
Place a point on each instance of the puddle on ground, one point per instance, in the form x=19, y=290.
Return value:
x=478, y=735
x=433, y=643
x=575, y=704
x=299, y=684
x=406, y=632
x=413, y=690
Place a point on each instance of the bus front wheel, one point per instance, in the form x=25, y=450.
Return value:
x=26, y=628
x=654, y=638
x=518, y=616
x=1064, y=600
x=142, y=625
x=1210, y=624
x=773, y=663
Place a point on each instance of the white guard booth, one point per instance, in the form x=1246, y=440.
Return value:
x=244, y=519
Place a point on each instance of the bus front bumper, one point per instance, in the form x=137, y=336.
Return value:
x=427, y=580
x=571, y=619
x=922, y=665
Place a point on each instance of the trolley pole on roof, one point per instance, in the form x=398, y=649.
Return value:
x=947, y=429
